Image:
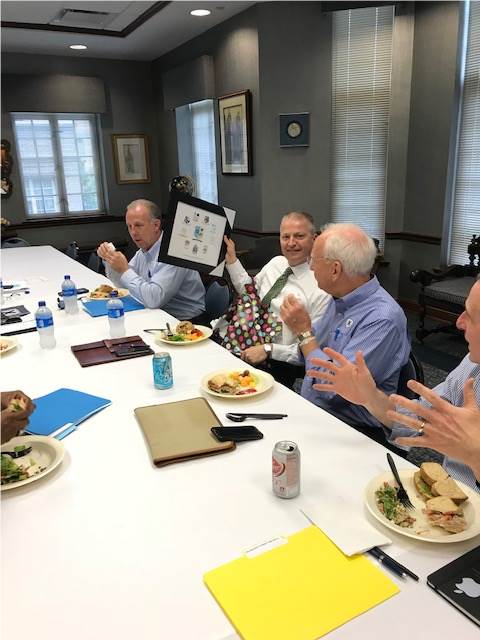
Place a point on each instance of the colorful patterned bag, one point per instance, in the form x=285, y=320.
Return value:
x=250, y=322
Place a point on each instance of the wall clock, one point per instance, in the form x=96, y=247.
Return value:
x=294, y=129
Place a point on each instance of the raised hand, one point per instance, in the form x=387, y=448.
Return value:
x=230, y=256
x=453, y=431
x=351, y=380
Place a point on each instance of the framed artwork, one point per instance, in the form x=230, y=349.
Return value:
x=294, y=129
x=193, y=232
x=235, y=144
x=130, y=152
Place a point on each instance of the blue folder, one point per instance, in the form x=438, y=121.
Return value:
x=63, y=407
x=97, y=308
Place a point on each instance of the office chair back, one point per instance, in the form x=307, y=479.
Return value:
x=95, y=263
x=217, y=300
x=72, y=250
x=13, y=243
x=412, y=370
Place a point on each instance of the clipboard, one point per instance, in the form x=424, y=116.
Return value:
x=302, y=588
x=193, y=231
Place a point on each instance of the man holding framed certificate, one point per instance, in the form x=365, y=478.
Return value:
x=157, y=285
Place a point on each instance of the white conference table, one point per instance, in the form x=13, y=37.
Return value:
x=108, y=546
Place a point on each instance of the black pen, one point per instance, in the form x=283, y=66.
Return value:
x=392, y=564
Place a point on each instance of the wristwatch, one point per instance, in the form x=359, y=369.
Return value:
x=304, y=336
x=268, y=350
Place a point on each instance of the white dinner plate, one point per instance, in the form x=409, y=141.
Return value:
x=207, y=332
x=46, y=452
x=121, y=294
x=7, y=344
x=265, y=382
x=422, y=528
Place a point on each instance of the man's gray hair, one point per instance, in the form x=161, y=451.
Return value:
x=152, y=208
x=350, y=245
x=302, y=215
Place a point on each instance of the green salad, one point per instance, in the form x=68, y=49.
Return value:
x=13, y=472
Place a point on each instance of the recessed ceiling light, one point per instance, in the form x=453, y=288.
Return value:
x=78, y=46
x=200, y=12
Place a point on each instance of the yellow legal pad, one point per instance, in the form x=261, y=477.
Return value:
x=301, y=589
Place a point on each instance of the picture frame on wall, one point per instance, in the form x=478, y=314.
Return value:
x=235, y=133
x=130, y=152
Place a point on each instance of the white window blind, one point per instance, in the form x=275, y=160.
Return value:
x=361, y=81
x=196, y=147
x=466, y=195
x=59, y=164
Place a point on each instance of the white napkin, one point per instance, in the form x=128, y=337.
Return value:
x=346, y=526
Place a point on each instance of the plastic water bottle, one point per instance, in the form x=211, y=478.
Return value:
x=116, y=315
x=69, y=291
x=44, y=320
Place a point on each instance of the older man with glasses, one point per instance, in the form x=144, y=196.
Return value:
x=360, y=316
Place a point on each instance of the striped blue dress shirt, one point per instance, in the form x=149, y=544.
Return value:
x=368, y=320
x=452, y=391
x=157, y=285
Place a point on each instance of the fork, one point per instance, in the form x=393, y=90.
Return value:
x=401, y=493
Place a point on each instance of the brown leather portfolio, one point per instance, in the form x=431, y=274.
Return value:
x=110, y=350
x=178, y=431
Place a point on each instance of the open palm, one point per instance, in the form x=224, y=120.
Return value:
x=351, y=380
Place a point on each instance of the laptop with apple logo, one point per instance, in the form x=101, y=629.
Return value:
x=459, y=583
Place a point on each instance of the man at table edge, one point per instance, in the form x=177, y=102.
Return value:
x=361, y=315
x=446, y=418
x=297, y=235
x=157, y=285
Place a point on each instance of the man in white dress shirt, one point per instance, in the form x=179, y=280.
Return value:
x=297, y=234
x=157, y=285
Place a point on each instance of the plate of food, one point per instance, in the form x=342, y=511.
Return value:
x=237, y=383
x=445, y=510
x=185, y=333
x=43, y=455
x=103, y=291
x=7, y=344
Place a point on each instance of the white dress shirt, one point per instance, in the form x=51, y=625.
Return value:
x=301, y=283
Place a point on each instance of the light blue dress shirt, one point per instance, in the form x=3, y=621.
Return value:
x=451, y=389
x=157, y=285
x=367, y=320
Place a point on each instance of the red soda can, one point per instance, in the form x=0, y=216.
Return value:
x=286, y=469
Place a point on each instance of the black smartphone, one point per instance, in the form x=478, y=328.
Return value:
x=129, y=349
x=237, y=434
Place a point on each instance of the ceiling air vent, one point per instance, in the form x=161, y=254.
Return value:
x=83, y=19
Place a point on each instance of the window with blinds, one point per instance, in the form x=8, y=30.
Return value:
x=465, y=216
x=361, y=81
x=196, y=147
x=59, y=164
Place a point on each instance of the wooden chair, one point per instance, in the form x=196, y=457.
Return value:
x=445, y=291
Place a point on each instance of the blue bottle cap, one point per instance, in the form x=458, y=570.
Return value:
x=66, y=277
x=42, y=303
x=113, y=294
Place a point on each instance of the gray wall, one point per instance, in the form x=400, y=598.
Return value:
x=431, y=116
x=130, y=109
x=234, y=48
x=294, y=71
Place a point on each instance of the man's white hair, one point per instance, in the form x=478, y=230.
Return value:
x=350, y=245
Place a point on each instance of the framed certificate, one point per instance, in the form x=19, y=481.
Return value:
x=193, y=231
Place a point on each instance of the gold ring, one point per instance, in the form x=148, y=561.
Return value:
x=422, y=426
